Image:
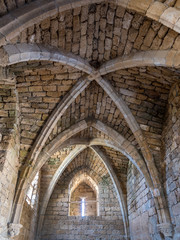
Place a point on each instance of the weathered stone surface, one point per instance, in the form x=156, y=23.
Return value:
x=45, y=91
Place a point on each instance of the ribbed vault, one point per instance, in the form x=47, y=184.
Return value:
x=92, y=81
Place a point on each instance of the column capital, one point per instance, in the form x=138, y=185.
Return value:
x=14, y=229
x=166, y=229
x=6, y=76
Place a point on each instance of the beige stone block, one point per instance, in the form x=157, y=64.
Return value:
x=160, y=58
x=177, y=43
x=35, y=89
x=122, y=3
x=177, y=5
x=177, y=26
x=47, y=77
x=170, y=58
x=49, y=88
x=13, y=53
x=139, y=5
x=3, y=113
x=156, y=10
x=22, y=89
x=148, y=58
x=50, y=100
x=177, y=60
x=170, y=16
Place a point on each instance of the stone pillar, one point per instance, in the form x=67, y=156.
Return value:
x=171, y=139
x=9, y=148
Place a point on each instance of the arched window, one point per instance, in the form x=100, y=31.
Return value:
x=83, y=201
x=32, y=191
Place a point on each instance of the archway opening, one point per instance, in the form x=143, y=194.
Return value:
x=83, y=201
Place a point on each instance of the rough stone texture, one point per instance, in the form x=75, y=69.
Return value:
x=39, y=92
x=100, y=34
x=94, y=102
x=83, y=191
x=141, y=208
x=110, y=216
x=172, y=156
x=29, y=218
x=7, y=117
x=120, y=165
x=9, y=5
x=9, y=148
x=8, y=178
x=145, y=90
x=27, y=215
x=96, y=32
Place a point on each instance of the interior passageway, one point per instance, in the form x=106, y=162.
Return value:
x=89, y=120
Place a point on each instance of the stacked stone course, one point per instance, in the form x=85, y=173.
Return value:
x=107, y=225
x=171, y=142
x=90, y=89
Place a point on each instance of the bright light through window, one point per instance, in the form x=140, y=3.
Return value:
x=32, y=191
x=83, y=207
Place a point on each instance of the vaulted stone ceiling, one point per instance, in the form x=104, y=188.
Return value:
x=98, y=33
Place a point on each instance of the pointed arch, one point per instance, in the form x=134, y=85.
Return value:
x=87, y=179
x=83, y=177
x=118, y=187
x=61, y=169
x=119, y=143
x=161, y=203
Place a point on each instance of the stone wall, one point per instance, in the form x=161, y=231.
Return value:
x=99, y=32
x=8, y=178
x=7, y=114
x=171, y=137
x=141, y=209
x=39, y=92
x=58, y=225
x=9, y=148
x=86, y=192
x=26, y=217
x=29, y=219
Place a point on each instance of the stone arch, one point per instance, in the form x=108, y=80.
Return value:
x=160, y=200
x=134, y=126
x=121, y=144
x=22, y=52
x=143, y=58
x=118, y=143
x=20, y=19
x=77, y=180
x=59, y=172
x=163, y=58
x=25, y=52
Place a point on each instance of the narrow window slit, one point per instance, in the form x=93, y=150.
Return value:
x=82, y=207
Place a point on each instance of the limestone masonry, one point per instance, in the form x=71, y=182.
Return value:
x=90, y=120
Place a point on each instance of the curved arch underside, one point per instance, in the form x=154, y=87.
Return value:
x=83, y=177
x=76, y=151
x=22, y=18
x=138, y=151
x=78, y=88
